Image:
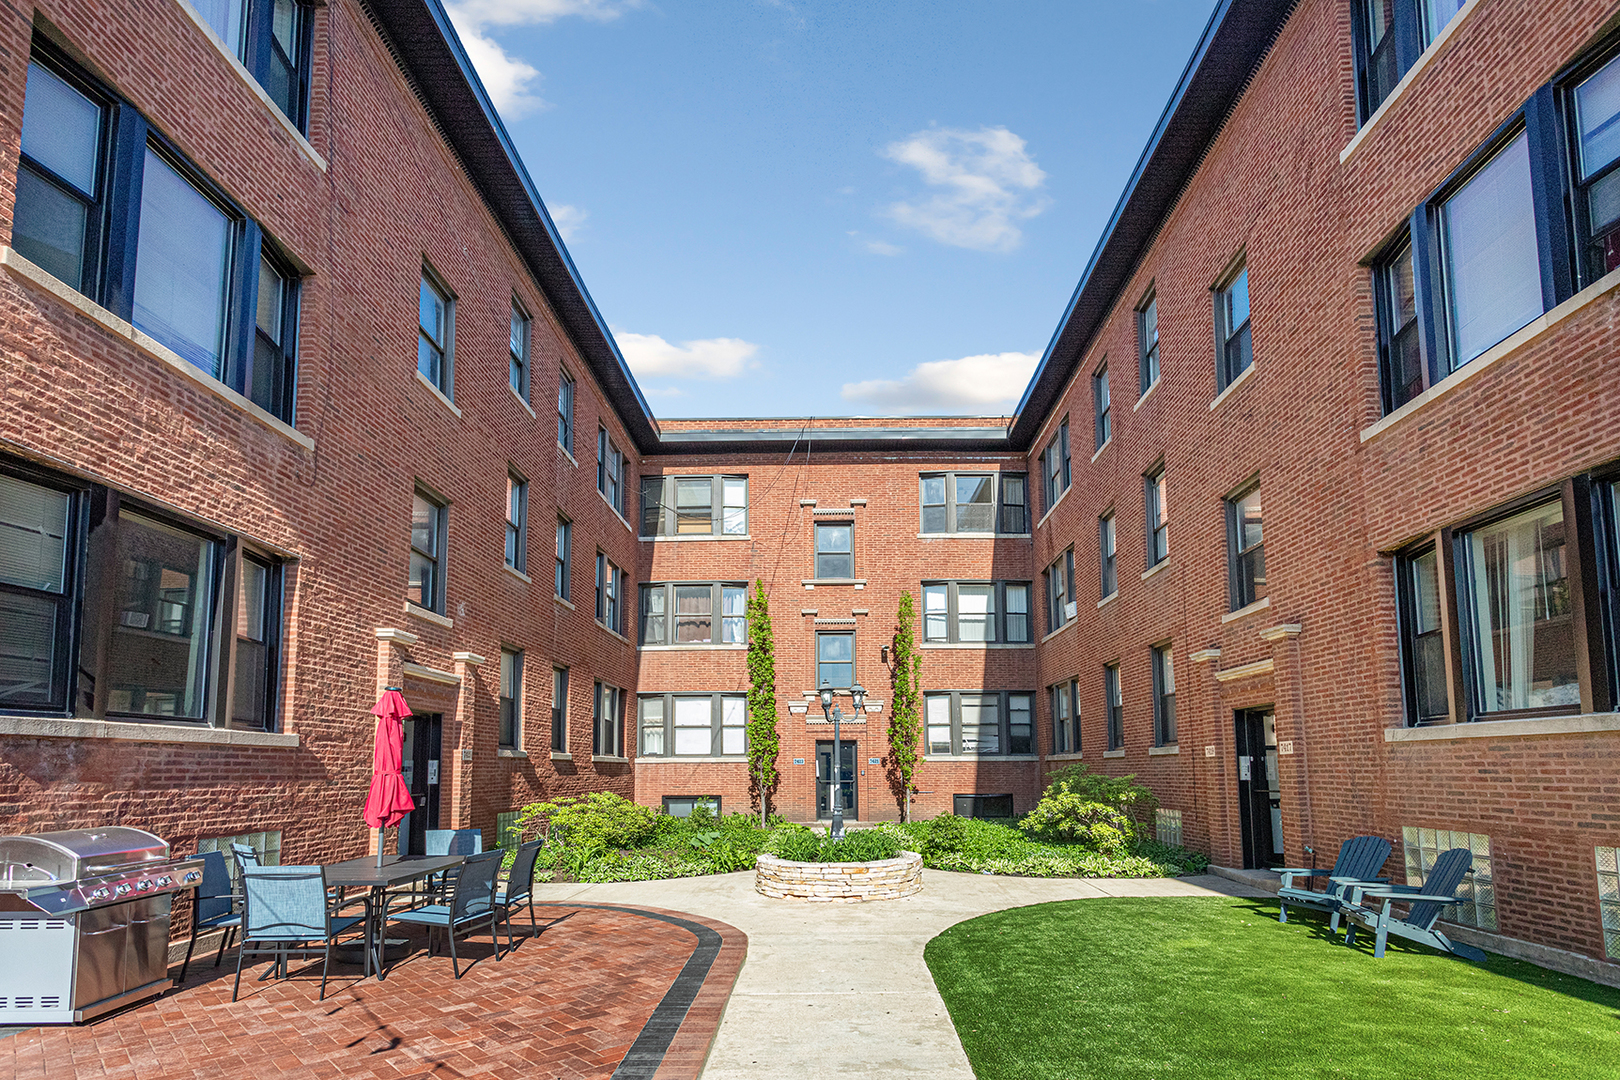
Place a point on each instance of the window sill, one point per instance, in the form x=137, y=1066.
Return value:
x=1075, y=756
x=515, y=572
x=569, y=455
x=613, y=633
x=246, y=76
x=1244, y=612
x=810, y=583
x=526, y=406
x=615, y=510
x=1156, y=567
x=1058, y=631
x=1490, y=357
x=430, y=674
x=699, y=647
x=510, y=752
x=981, y=757
x=444, y=399
x=1248, y=372
x=978, y=646
x=557, y=755
x=27, y=271
x=425, y=615
x=1140, y=401
x=608, y=759
x=1098, y=452
x=565, y=602
x=1164, y=751
x=710, y=537
x=41, y=727
x=1436, y=47
x=669, y=759
x=1583, y=724
x=1109, y=599
x=974, y=536
x=1051, y=509
x=1114, y=753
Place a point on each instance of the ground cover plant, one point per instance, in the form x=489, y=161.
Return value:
x=1171, y=987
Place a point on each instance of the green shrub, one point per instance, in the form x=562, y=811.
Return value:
x=945, y=833
x=796, y=843
x=1123, y=793
x=1064, y=817
x=594, y=822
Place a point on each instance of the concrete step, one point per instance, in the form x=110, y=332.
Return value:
x=1264, y=880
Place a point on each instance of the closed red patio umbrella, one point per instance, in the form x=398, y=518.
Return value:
x=389, y=800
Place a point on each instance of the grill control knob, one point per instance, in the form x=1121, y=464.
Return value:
x=99, y=894
x=192, y=877
x=165, y=880
x=122, y=888
x=145, y=885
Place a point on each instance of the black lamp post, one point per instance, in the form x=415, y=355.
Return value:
x=835, y=774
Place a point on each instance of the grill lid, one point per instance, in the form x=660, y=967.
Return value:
x=76, y=853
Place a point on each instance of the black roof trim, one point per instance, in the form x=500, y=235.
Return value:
x=992, y=440
x=1236, y=39
x=421, y=36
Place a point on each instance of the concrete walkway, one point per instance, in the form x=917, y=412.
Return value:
x=842, y=989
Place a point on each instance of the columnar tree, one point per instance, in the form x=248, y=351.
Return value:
x=905, y=721
x=764, y=741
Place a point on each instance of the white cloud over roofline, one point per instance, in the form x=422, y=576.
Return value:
x=650, y=356
x=987, y=384
x=984, y=184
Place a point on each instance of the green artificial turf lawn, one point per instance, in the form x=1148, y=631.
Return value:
x=1216, y=987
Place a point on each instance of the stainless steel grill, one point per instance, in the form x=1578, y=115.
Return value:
x=84, y=921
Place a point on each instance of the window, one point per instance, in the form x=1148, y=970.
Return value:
x=694, y=608
x=1100, y=403
x=683, y=805
x=426, y=587
x=1167, y=826
x=835, y=557
x=517, y=522
x=986, y=807
x=607, y=728
x=1233, y=343
x=609, y=591
x=1147, y=343
x=1423, y=647
x=258, y=644
x=835, y=660
x=1608, y=873
x=1054, y=462
x=1400, y=351
x=694, y=506
x=1491, y=263
x=272, y=40
x=1390, y=36
x=1518, y=627
x=1158, y=522
x=968, y=503
x=1105, y=547
x=565, y=411
x=986, y=723
x=39, y=544
x=435, y=326
x=1164, y=696
x=963, y=612
x=184, y=265
x=610, y=471
x=1065, y=699
x=1248, y=554
x=267, y=844
x=1116, y=707
x=511, y=698
x=1058, y=583
x=1595, y=105
x=559, y=710
x=565, y=542
x=520, y=352
x=1477, y=890
x=693, y=725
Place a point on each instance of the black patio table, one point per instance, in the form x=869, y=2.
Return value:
x=364, y=873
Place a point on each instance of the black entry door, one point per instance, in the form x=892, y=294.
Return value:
x=846, y=771
x=420, y=764
x=1259, y=793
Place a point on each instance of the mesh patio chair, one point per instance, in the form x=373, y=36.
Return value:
x=472, y=900
x=519, y=888
x=213, y=907
x=449, y=842
x=285, y=912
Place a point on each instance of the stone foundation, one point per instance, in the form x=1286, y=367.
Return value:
x=839, y=883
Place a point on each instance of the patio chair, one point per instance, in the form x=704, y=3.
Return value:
x=213, y=907
x=1360, y=859
x=1426, y=900
x=519, y=888
x=285, y=911
x=449, y=842
x=472, y=900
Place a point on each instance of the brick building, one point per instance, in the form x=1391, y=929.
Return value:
x=1349, y=330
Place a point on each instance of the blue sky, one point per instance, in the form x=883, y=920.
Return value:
x=873, y=208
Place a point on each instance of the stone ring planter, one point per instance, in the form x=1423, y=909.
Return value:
x=839, y=883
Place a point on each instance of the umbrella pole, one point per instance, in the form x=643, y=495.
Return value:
x=379, y=846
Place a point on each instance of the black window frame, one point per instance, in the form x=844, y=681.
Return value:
x=1405, y=40
x=1004, y=511
x=1398, y=384
x=510, y=733
x=1147, y=349
x=1102, y=405
x=609, y=593
x=1411, y=647
x=1065, y=723
x=607, y=721
x=1114, y=706
x=668, y=800
x=1233, y=339
x=1164, y=696
x=660, y=508
x=1244, y=586
x=999, y=623
x=820, y=555
x=1004, y=736
x=1588, y=266
x=562, y=572
x=1156, y=525
x=559, y=709
x=565, y=410
x=1055, y=467
x=717, y=725
x=610, y=470
x=1057, y=590
x=522, y=329
x=258, y=48
x=1108, y=554
x=441, y=507
x=669, y=591
x=516, y=553
x=445, y=383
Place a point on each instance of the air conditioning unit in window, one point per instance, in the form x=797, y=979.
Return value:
x=1070, y=610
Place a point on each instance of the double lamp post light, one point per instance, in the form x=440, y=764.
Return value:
x=835, y=774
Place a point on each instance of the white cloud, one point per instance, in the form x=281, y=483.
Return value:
x=883, y=247
x=985, y=184
x=988, y=384
x=568, y=219
x=510, y=81
x=650, y=356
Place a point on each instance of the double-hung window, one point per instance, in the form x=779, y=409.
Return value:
x=1164, y=696
x=517, y=522
x=705, y=613
x=565, y=410
x=1594, y=107
x=1102, y=406
x=435, y=333
x=1245, y=541
x=607, y=726
x=610, y=470
x=1389, y=37
x=1054, y=464
x=40, y=526
x=1147, y=343
x=835, y=660
x=559, y=710
x=426, y=586
x=511, y=698
x=1106, y=554
x=1422, y=638
x=980, y=723
x=1065, y=701
x=977, y=503
x=694, y=506
x=1158, y=521
x=609, y=590
x=1115, y=701
x=1400, y=349
x=185, y=265
x=693, y=725
x=519, y=352
x=835, y=551
x=272, y=40
x=974, y=612
x=1234, y=344
x=565, y=542
x=1057, y=583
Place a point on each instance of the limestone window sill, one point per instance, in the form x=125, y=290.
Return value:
x=1065, y=757
x=444, y=399
x=608, y=759
x=1147, y=394
x=1109, y=599
x=515, y=572
x=1582, y=724
x=1114, y=753
x=1247, y=610
x=519, y=397
x=39, y=727
x=1439, y=45
x=564, y=602
x=1156, y=567
x=1053, y=507
x=810, y=583
x=418, y=612
x=615, y=510
x=557, y=755
x=1098, y=452
x=511, y=752
x=1058, y=631
x=565, y=453
x=695, y=538
x=1164, y=751
x=1248, y=373
x=614, y=633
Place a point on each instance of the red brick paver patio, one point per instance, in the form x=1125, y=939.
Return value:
x=570, y=1003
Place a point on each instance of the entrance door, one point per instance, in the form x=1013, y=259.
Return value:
x=846, y=774
x=1259, y=793
x=420, y=764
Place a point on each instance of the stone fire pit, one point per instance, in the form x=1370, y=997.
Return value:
x=839, y=883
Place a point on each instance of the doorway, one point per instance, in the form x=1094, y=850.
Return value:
x=1259, y=792
x=419, y=762
x=846, y=774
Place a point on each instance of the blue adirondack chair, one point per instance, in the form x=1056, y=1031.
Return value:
x=1426, y=900
x=1360, y=859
